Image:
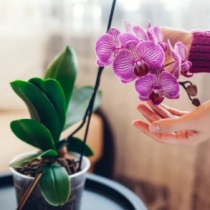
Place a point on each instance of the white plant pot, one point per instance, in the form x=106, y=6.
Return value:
x=36, y=201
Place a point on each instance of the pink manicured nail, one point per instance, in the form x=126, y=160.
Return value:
x=154, y=128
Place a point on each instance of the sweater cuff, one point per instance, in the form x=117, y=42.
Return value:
x=199, y=53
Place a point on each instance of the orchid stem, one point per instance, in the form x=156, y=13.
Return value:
x=183, y=85
x=89, y=109
x=169, y=63
x=97, y=83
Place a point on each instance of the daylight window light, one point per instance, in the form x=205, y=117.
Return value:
x=96, y=10
x=174, y=5
x=78, y=10
x=131, y=5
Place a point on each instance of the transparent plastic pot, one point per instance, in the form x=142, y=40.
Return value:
x=37, y=202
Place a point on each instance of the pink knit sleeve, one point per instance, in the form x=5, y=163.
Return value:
x=199, y=53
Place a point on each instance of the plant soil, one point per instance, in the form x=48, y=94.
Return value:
x=32, y=167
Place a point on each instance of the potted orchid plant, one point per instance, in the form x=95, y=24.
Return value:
x=139, y=56
x=136, y=56
x=54, y=105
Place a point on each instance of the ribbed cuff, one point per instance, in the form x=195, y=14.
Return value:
x=199, y=53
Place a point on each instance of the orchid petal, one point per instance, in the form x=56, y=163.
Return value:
x=148, y=25
x=150, y=36
x=144, y=86
x=126, y=37
x=151, y=53
x=126, y=81
x=128, y=27
x=186, y=65
x=185, y=74
x=105, y=47
x=169, y=85
x=163, y=45
x=99, y=63
x=123, y=66
x=131, y=46
x=115, y=33
x=181, y=50
x=175, y=71
x=140, y=33
x=157, y=33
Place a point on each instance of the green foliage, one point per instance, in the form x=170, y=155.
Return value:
x=48, y=104
x=79, y=103
x=54, y=92
x=24, y=160
x=75, y=145
x=40, y=107
x=33, y=133
x=64, y=70
x=55, y=184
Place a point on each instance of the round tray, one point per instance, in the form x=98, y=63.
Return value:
x=100, y=194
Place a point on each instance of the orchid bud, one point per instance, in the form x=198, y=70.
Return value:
x=196, y=102
x=192, y=90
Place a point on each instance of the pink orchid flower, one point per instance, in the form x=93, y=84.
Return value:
x=136, y=30
x=137, y=59
x=181, y=64
x=156, y=35
x=109, y=45
x=156, y=87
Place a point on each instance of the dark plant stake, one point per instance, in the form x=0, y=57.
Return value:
x=91, y=103
x=29, y=191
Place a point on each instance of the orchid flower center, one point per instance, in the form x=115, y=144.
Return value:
x=141, y=69
x=156, y=97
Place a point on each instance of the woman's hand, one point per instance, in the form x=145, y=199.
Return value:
x=174, y=36
x=171, y=126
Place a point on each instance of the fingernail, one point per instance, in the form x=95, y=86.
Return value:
x=133, y=122
x=154, y=128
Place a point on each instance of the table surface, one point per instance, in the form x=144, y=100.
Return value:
x=106, y=194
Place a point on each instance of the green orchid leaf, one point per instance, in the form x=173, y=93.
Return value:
x=38, y=82
x=79, y=103
x=40, y=106
x=54, y=92
x=24, y=160
x=64, y=70
x=75, y=145
x=55, y=184
x=33, y=133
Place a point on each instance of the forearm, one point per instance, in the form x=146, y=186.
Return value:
x=199, y=53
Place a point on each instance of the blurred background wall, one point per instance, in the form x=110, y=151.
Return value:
x=33, y=32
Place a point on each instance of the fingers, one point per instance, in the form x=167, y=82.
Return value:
x=148, y=114
x=174, y=111
x=167, y=138
x=163, y=113
x=173, y=125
